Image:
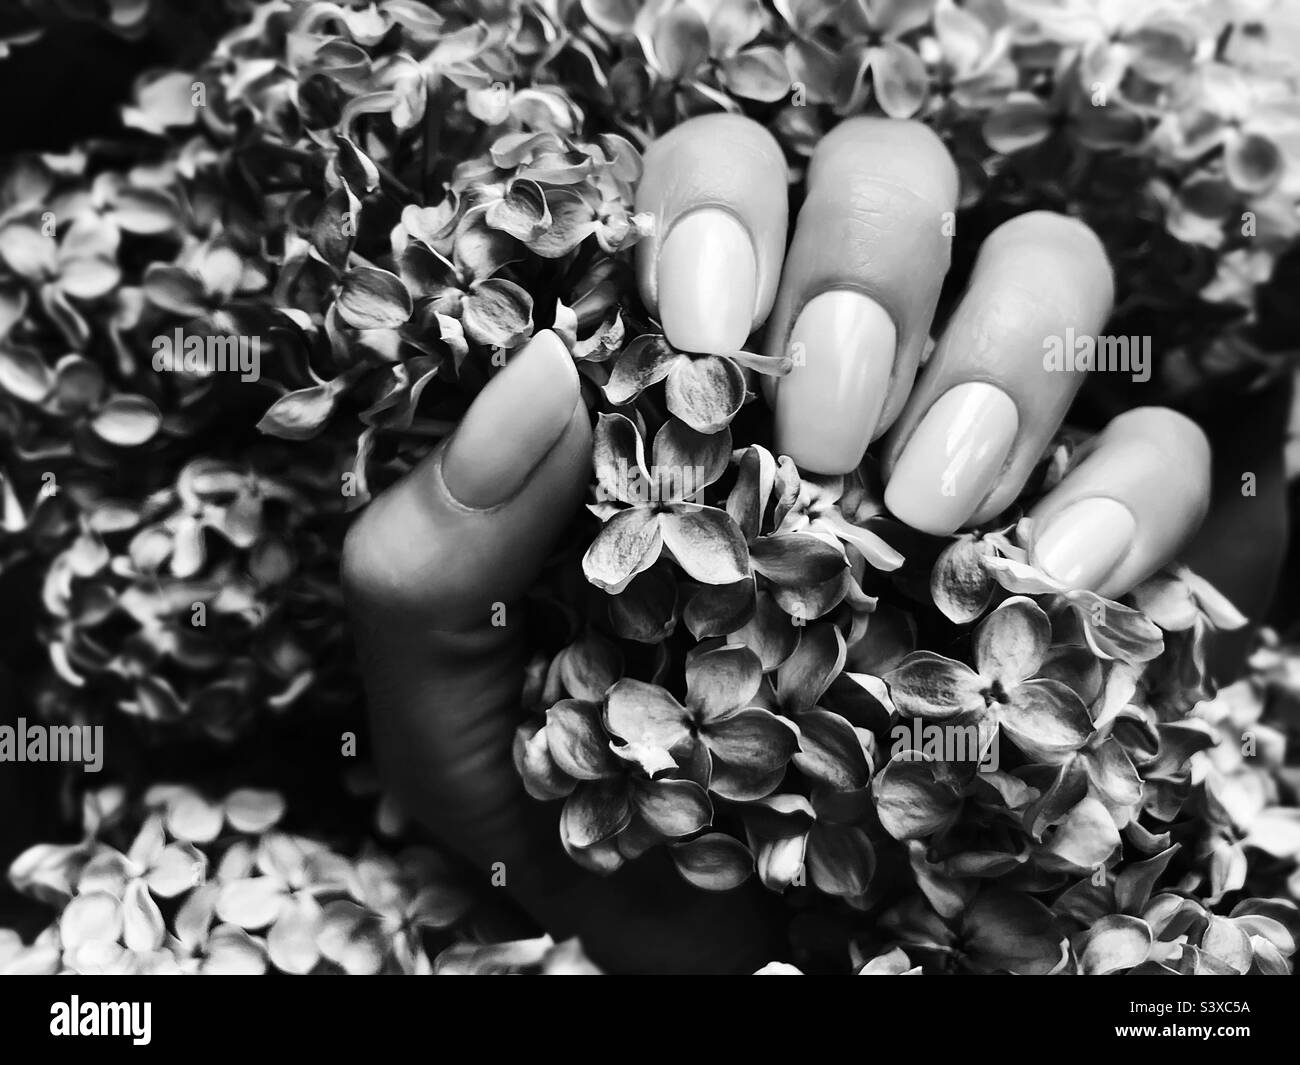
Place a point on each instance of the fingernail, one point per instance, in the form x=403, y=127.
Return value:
x=953, y=458
x=512, y=424
x=1082, y=544
x=708, y=282
x=828, y=405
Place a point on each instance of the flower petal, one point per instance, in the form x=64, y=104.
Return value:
x=899, y=79
x=721, y=680
x=1010, y=643
x=1045, y=719
x=928, y=685
x=251, y=903
x=93, y=917
x=143, y=929
x=352, y=938
x=714, y=862
x=644, y=362
x=628, y=544
x=373, y=299
x=291, y=943
x=841, y=859
x=705, y=392
x=804, y=677
x=641, y=713
x=597, y=811
x=706, y=544
x=673, y=808
x=576, y=739
x=831, y=752
x=913, y=800
x=1115, y=942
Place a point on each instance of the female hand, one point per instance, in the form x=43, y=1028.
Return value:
x=429, y=563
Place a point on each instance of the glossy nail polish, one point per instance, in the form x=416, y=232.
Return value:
x=1081, y=545
x=708, y=282
x=953, y=458
x=511, y=425
x=828, y=406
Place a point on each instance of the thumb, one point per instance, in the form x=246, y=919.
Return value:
x=428, y=570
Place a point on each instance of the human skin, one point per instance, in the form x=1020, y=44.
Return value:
x=850, y=296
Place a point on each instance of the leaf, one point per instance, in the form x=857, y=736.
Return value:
x=498, y=313
x=373, y=299
x=127, y=421
x=705, y=392
x=706, y=544
x=714, y=862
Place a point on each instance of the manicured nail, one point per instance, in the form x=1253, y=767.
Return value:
x=1082, y=544
x=953, y=457
x=708, y=282
x=828, y=406
x=512, y=424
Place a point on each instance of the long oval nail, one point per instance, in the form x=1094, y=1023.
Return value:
x=828, y=406
x=511, y=425
x=953, y=457
x=708, y=282
x=1081, y=545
